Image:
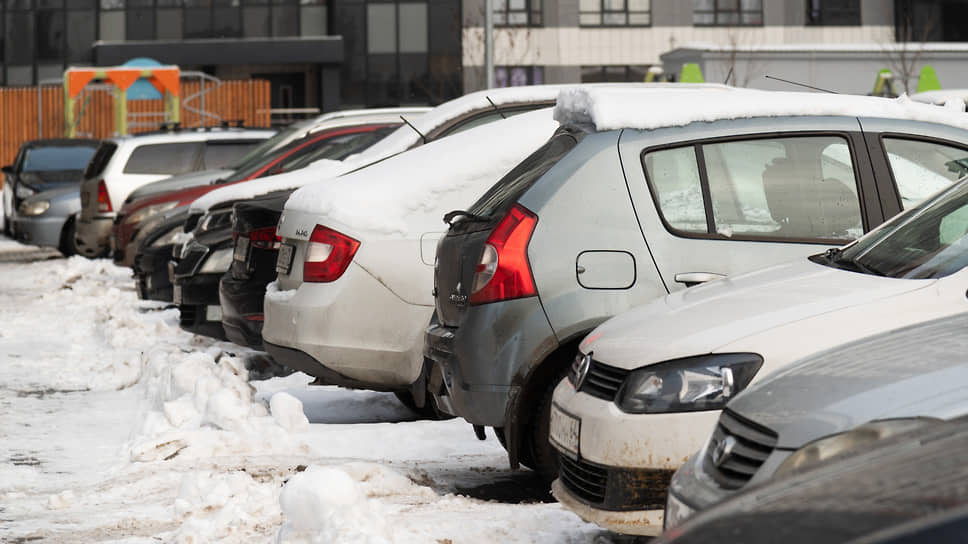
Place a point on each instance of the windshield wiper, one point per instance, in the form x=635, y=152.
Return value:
x=834, y=257
x=460, y=216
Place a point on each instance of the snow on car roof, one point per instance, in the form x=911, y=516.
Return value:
x=615, y=108
x=405, y=194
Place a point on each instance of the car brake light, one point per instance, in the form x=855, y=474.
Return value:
x=264, y=238
x=328, y=255
x=103, y=200
x=503, y=272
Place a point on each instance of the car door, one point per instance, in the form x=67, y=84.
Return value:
x=732, y=196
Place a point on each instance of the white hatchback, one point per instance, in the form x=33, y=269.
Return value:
x=648, y=385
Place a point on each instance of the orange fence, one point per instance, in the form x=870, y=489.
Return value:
x=245, y=100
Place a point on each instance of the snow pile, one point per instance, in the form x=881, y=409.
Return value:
x=614, y=108
x=406, y=195
x=288, y=412
x=218, y=506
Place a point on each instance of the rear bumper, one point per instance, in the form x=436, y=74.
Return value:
x=202, y=319
x=39, y=231
x=151, y=270
x=242, y=310
x=197, y=299
x=93, y=236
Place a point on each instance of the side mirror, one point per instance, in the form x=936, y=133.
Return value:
x=7, y=169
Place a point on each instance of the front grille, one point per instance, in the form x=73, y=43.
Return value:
x=187, y=313
x=586, y=481
x=601, y=381
x=751, y=445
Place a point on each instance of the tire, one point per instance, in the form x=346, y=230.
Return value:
x=428, y=411
x=543, y=455
x=67, y=246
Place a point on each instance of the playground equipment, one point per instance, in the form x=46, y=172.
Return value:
x=166, y=79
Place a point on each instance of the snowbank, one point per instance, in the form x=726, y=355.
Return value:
x=408, y=194
x=614, y=108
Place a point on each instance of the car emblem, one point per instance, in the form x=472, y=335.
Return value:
x=581, y=370
x=723, y=451
x=457, y=298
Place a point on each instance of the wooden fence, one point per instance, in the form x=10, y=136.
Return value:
x=245, y=100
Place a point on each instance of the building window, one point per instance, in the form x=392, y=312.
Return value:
x=613, y=74
x=833, y=12
x=615, y=13
x=517, y=12
x=727, y=12
x=516, y=76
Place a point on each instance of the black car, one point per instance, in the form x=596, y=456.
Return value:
x=154, y=251
x=912, y=487
x=196, y=267
x=242, y=288
x=42, y=165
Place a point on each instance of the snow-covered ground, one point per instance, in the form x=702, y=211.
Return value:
x=116, y=426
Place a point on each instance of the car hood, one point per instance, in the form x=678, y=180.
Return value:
x=57, y=195
x=915, y=371
x=175, y=183
x=703, y=319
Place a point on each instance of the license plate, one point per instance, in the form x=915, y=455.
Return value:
x=284, y=261
x=177, y=294
x=213, y=313
x=565, y=431
x=241, y=249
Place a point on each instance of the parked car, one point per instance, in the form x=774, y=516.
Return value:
x=255, y=250
x=648, y=385
x=355, y=263
x=830, y=404
x=47, y=219
x=335, y=142
x=121, y=165
x=155, y=245
x=643, y=193
x=908, y=488
x=43, y=165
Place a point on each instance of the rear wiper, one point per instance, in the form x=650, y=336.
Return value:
x=459, y=216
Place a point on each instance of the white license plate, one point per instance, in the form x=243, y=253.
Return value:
x=284, y=261
x=213, y=313
x=241, y=249
x=565, y=431
x=177, y=294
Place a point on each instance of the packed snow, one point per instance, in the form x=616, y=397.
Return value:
x=120, y=427
x=403, y=196
x=615, y=108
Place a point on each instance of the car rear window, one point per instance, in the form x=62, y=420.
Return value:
x=100, y=159
x=57, y=158
x=174, y=158
x=510, y=188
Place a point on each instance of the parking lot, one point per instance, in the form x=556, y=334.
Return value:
x=119, y=427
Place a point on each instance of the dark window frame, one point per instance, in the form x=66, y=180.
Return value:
x=602, y=12
x=822, y=13
x=849, y=136
x=533, y=14
x=718, y=11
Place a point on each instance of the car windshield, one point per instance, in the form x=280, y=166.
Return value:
x=930, y=241
x=282, y=138
x=57, y=158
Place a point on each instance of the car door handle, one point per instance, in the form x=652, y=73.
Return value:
x=695, y=278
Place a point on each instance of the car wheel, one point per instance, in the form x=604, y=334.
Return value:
x=429, y=410
x=67, y=245
x=543, y=455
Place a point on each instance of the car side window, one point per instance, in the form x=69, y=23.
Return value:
x=174, y=158
x=674, y=174
x=795, y=188
x=923, y=168
x=226, y=154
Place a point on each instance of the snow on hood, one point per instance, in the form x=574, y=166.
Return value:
x=701, y=319
x=615, y=108
x=916, y=371
x=408, y=194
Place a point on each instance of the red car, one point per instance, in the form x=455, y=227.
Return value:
x=334, y=143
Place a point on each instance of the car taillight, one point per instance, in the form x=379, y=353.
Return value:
x=503, y=272
x=103, y=200
x=328, y=254
x=264, y=238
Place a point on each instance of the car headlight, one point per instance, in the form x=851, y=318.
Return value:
x=213, y=220
x=847, y=442
x=24, y=191
x=692, y=384
x=140, y=215
x=168, y=238
x=34, y=207
x=218, y=262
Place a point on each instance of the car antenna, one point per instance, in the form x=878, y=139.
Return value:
x=726, y=81
x=801, y=84
x=493, y=105
x=409, y=124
